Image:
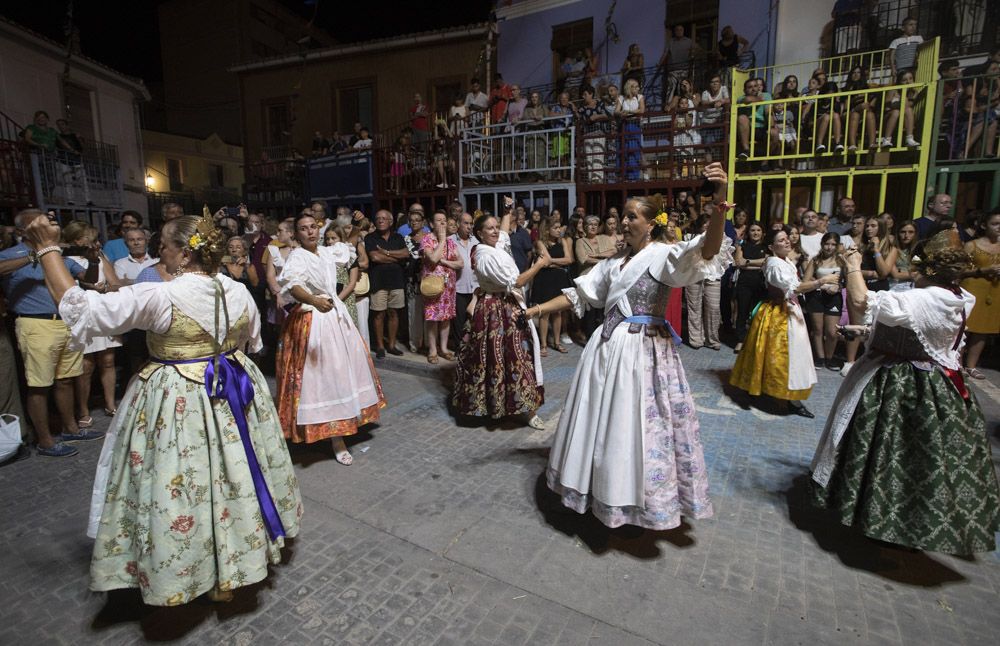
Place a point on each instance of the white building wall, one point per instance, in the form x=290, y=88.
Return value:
x=30, y=80
x=801, y=26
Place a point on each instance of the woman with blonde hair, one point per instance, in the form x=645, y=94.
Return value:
x=552, y=279
x=195, y=490
x=631, y=108
x=628, y=445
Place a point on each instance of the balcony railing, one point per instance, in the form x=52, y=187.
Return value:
x=277, y=185
x=839, y=126
x=91, y=177
x=412, y=167
x=965, y=27
x=502, y=154
x=657, y=147
x=967, y=127
x=15, y=166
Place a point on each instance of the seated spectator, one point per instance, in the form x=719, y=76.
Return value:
x=320, y=145
x=127, y=269
x=750, y=120
x=895, y=103
x=117, y=249
x=336, y=142
x=823, y=113
x=903, y=50
x=39, y=134
x=861, y=108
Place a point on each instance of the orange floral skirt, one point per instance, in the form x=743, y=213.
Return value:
x=291, y=357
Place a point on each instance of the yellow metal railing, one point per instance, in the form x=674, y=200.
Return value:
x=808, y=145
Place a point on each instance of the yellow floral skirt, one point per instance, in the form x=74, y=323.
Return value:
x=762, y=365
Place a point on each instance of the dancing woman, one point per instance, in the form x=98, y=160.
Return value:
x=195, y=491
x=776, y=358
x=905, y=454
x=499, y=364
x=628, y=444
x=327, y=385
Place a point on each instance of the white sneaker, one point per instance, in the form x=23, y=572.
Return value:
x=852, y=149
x=886, y=143
x=846, y=369
x=566, y=340
x=911, y=142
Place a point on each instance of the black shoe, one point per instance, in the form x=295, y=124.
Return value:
x=834, y=364
x=801, y=411
x=819, y=363
x=380, y=353
x=394, y=351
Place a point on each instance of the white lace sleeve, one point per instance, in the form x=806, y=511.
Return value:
x=884, y=307
x=682, y=264
x=89, y=314
x=591, y=289
x=579, y=306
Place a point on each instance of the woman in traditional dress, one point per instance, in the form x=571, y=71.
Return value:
x=499, y=366
x=327, y=385
x=628, y=444
x=776, y=358
x=441, y=259
x=195, y=491
x=904, y=454
x=984, y=321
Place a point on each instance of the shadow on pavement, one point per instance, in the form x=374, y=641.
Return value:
x=855, y=550
x=635, y=541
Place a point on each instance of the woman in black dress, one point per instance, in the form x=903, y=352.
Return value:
x=750, y=290
x=554, y=278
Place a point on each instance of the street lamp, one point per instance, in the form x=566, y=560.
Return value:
x=150, y=182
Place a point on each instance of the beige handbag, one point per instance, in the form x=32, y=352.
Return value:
x=431, y=286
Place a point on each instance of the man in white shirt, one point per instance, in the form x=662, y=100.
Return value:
x=810, y=238
x=477, y=103
x=466, y=282
x=128, y=268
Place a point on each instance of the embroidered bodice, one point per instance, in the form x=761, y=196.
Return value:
x=897, y=341
x=647, y=297
x=185, y=339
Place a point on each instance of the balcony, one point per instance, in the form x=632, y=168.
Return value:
x=66, y=180
x=965, y=28
x=788, y=148
x=276, y=186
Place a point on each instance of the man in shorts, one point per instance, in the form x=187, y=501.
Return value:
x=386, y=254
x=44, y=341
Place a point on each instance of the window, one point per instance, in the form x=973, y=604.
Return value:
x=174, y=175
x=80, y=111
x=568, y=40
x=443, y=93
x=216, y=176
x=354, y=101
x=277, y=121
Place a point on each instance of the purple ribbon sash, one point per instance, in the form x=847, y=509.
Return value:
x=233, y=384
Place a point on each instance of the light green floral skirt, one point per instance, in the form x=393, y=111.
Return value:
x=181, y=515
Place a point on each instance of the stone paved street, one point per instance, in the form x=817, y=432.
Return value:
x=441, y=534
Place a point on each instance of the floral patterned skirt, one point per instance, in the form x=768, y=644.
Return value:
x=914, y=466
x=180, y=514
x=496, y=373
x=674, y=476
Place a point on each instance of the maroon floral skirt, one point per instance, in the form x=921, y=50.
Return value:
x=496, y=370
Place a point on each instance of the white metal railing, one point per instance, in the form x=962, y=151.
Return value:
x=504, y=153
x=92, y=177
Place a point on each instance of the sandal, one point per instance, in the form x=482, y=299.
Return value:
x=545, y=351
x=110, y=412
x=975, y=373
x=561, y=348
x=448, y=356
x=344, y=457
x=85, y=422
x=536, y=423
x=432, y=358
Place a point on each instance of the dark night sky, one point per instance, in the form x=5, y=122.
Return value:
x=123, y=33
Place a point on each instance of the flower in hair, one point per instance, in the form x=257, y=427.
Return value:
x=197, y=241
x=662, y=219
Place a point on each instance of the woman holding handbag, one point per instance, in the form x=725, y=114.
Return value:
x=437, y=284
